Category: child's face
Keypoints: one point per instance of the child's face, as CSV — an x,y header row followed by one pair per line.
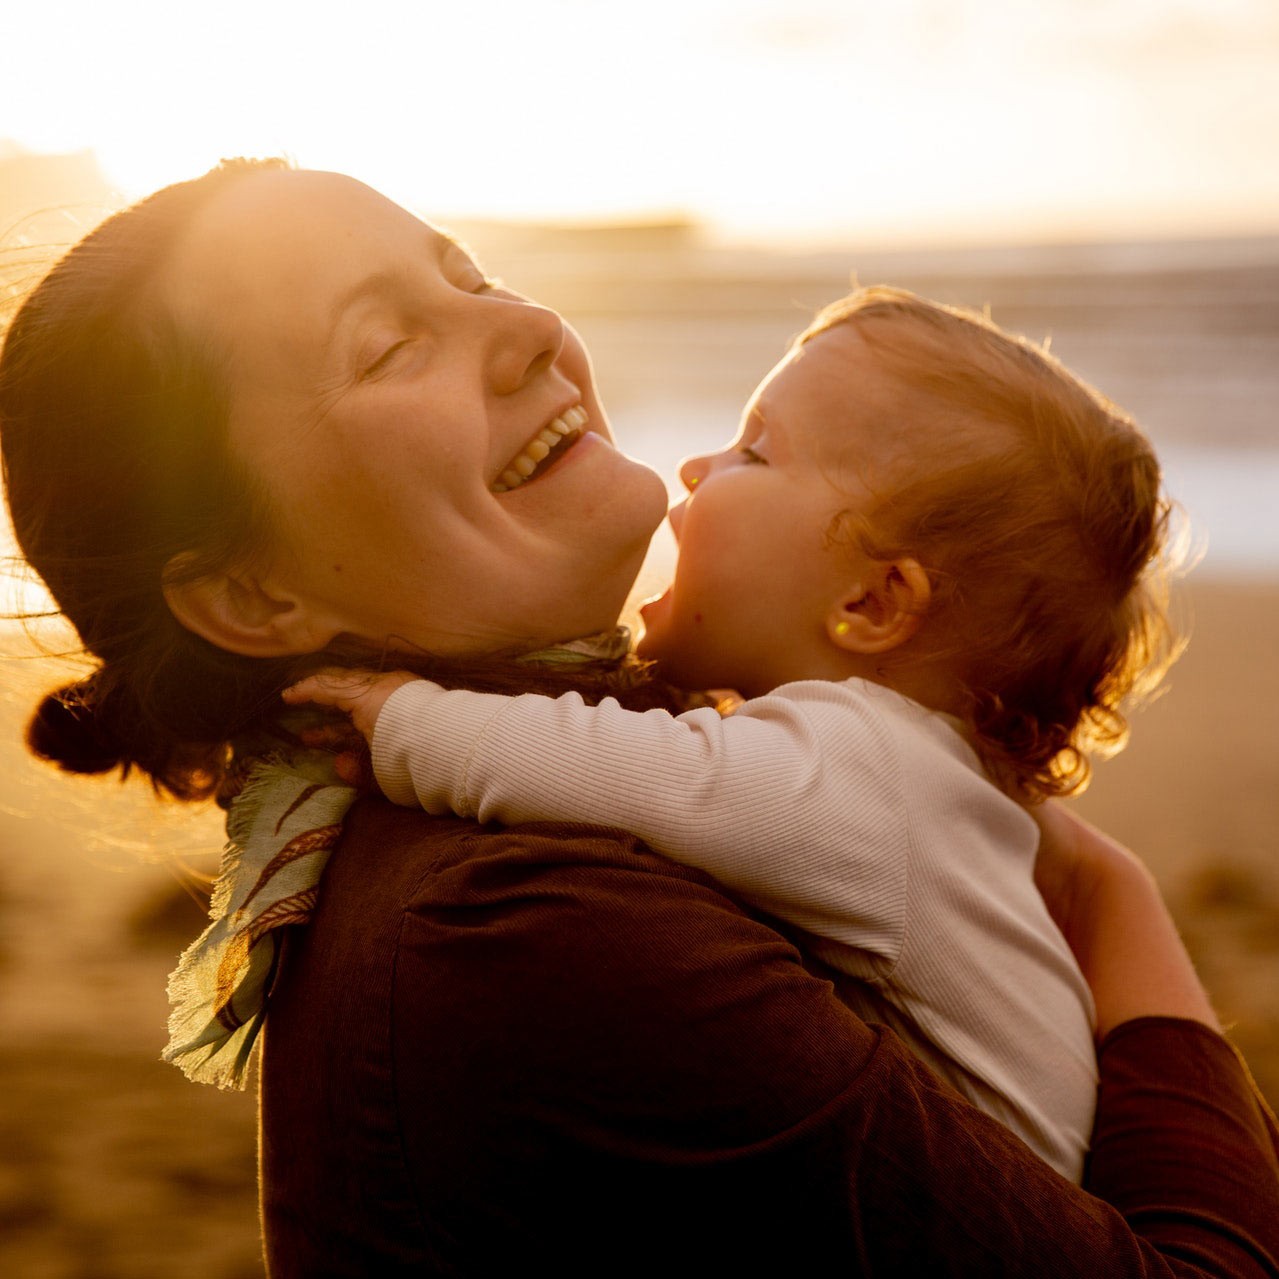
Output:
x,y
759,569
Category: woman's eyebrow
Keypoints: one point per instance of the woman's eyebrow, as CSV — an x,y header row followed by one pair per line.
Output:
x,y
449,243
383,285
378,286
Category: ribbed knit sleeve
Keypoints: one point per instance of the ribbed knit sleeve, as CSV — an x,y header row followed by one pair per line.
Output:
x,y
845,809
795,801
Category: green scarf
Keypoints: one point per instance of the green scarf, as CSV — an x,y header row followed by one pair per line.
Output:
x,y
281,827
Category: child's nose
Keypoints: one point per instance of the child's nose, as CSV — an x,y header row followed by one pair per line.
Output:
x,y
692,470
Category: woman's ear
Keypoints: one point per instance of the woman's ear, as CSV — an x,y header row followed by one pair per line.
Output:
x,y
883,610
242,614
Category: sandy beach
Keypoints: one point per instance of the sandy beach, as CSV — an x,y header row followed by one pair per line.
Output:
x,y
115,1166
1197,795
111,1164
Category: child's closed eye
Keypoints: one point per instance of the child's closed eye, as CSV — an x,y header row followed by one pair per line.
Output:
x,y
751,456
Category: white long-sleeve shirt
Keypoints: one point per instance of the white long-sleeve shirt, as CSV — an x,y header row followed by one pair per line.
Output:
x,y
845,809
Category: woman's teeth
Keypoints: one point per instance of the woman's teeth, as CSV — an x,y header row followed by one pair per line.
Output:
x,y
540,447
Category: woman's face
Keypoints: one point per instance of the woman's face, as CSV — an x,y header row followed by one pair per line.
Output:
x,y
388,398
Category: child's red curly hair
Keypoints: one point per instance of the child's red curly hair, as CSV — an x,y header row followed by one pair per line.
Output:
x,y
1041,522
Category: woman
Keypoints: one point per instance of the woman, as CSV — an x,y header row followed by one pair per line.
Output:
x,y
262,422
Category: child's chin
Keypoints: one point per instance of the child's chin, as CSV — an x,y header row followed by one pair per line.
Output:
x,y
671,665
651,649
664,640
650,652
653,615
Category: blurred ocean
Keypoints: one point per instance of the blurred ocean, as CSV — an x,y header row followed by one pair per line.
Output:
x,y
1184,335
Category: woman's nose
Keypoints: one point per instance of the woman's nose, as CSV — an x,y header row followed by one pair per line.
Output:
x,y
525,342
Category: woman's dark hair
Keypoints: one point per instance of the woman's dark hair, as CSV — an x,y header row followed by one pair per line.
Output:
x,y
113,428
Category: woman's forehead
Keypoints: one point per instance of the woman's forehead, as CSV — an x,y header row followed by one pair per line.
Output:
x,y
275,255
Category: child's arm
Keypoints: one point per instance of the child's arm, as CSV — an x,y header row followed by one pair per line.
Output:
x,y
749,799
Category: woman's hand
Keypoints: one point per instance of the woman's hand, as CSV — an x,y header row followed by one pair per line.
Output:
x,y
1110,911
360,694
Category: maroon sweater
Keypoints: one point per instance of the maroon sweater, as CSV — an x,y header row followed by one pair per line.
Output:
x,y
498,1050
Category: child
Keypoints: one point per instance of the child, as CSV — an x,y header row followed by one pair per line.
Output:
x,y
928,562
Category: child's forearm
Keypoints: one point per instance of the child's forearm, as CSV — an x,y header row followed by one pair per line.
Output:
x,y
710,792
529,758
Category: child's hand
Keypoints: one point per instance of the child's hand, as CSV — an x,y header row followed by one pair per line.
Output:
x,y
361,694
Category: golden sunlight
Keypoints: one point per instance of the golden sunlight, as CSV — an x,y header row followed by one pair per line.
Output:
x,y
981,118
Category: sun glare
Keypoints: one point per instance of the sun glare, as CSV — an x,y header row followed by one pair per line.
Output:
x,y
767,120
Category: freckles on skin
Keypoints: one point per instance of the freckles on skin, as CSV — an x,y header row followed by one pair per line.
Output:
x,y
393,472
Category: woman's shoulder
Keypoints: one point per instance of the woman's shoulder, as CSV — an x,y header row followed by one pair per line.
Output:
x,y
551,984
412,862
588,899
542,939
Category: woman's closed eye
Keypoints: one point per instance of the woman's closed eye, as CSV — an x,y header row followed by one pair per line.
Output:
x,y
472,281
380,364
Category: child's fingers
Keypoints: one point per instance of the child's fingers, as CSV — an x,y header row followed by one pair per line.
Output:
x,y
332,687
359,694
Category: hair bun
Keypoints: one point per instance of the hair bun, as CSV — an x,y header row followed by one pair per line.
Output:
x,y
67,731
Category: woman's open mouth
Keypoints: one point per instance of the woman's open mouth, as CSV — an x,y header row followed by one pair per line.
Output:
x,y
543,450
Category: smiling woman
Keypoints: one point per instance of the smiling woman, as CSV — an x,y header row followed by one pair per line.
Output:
x,y
265,421
375,370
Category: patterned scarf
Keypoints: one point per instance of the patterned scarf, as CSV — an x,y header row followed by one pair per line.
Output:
x,y
285,820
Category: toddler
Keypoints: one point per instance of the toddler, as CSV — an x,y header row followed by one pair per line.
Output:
x,y
929,563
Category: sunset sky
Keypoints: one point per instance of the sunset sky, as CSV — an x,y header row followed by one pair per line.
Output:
x,y
916,119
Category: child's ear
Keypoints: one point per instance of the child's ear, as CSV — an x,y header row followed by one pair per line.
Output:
x,y
242,613
881,611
